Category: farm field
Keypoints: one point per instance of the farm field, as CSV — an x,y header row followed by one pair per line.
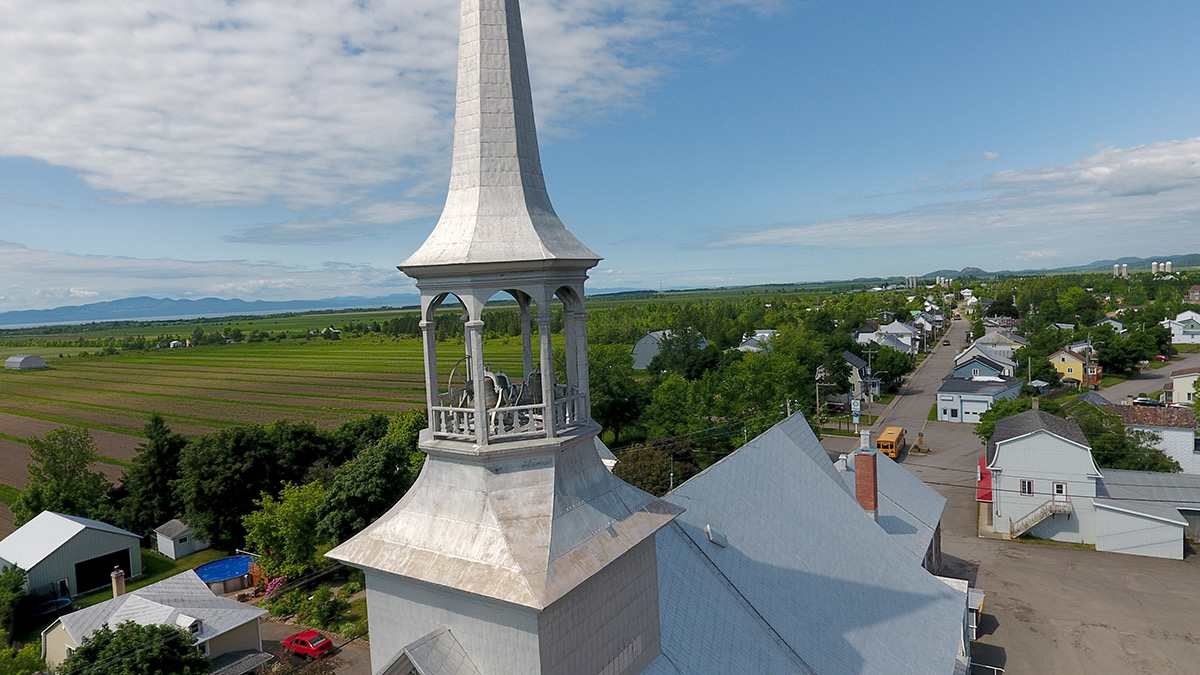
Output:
x,y
199,390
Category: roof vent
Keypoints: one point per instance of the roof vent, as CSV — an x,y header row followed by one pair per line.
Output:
x,y
715,537
189,623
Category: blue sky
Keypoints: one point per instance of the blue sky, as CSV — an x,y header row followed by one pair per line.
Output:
x,y
282,150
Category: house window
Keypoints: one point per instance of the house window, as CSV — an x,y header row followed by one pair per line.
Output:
x,y
954,413
945,413
1026,487
1060,489
183,540
1070,370
974,372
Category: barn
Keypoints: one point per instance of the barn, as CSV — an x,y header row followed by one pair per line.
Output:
x,y
65,556
24,362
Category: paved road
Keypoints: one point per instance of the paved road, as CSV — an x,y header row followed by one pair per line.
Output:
x,y
1149,380
1048,609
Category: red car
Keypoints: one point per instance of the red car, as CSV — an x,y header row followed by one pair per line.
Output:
x,y
1160,357
310,644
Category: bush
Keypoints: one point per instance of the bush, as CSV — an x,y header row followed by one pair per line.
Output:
x,y
349,588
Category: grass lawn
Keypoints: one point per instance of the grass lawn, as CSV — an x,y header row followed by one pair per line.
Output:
x,y
9,494
155,567
1110,380
1187,349
932,416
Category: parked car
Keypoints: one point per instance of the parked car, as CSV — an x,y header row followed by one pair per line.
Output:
x,y
1160,357
310,644
1142,400
945,343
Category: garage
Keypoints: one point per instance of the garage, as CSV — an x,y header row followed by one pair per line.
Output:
x,y
971,410
97,572
66,555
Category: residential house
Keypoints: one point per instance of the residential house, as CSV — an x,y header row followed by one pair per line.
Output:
x,y
979,365
1041,479
861,382
64,556
1077,367
964,400
1193,296
176,539
976,349
1185,327
757,341
646,348
226,631
1116,325
1062,326
866,333
1002,342
1175,428
1082,348
1183,385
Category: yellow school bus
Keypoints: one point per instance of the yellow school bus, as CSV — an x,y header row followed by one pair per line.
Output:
x,y
891,442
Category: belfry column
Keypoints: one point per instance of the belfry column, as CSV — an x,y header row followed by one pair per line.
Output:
x,y
547,367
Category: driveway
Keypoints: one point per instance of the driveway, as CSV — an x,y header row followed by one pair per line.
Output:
x,y
1149,380
1047,608
349,658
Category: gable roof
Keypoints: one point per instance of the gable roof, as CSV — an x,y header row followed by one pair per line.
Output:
x,y
794,540
1154,416
855,362
1184,371
1067,352
984,360
173,528
1029,422
34,541
985,350
163,603
908,509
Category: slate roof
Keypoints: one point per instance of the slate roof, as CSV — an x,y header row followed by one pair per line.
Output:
x,y
807,581
909,510
172,528
1154,416
1031,421
34,541
162,603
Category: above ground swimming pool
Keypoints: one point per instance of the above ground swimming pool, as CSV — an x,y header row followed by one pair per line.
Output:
x,y
227,574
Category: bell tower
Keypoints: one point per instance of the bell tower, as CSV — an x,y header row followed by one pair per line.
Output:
x,y
515,546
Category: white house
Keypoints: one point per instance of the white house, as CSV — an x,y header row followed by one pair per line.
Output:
x,y
1117,326
1042,479
1183,385
24,362
756,341
1185,327
176,539
645,349
64,556
226,631
1175,427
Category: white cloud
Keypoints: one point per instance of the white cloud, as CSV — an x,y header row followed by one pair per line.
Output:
x,y
990,156
304,102
1134,200
54,278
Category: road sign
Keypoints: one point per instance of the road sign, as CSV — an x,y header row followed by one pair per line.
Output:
x,y
856,418
855,405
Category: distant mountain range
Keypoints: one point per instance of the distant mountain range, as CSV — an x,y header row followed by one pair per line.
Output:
x,y
148,309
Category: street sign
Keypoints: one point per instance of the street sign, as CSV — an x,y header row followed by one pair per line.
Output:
x,y
856,419
855,406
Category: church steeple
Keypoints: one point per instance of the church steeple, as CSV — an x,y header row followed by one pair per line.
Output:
x,y
515,537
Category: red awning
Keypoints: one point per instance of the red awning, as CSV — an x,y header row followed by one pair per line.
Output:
x,y
983,486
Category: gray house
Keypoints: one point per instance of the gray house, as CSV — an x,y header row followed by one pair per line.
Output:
x,y
645,349
67,555
176,539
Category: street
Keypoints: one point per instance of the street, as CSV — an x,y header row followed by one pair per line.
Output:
x,y
1047,607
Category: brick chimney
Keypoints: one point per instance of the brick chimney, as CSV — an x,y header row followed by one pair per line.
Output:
x,y
866,486
118,582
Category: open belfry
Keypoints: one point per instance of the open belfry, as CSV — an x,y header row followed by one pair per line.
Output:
x,y
516,550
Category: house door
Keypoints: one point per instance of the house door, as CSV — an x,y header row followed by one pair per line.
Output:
x,y
1060,492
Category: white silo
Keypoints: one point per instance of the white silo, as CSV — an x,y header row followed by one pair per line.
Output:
x,y
1125,271
1154,268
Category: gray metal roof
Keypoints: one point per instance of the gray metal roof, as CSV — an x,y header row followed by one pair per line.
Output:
x,y
162,603
439,653
34,541
806,580
1178,490
990,386
239,662
1093,397
909,510
173,528
1031,421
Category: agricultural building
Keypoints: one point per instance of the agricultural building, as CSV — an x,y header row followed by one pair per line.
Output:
x,y
226,631
68,555
517,552
24,362
176,539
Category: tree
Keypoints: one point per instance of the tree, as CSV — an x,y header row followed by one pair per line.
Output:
x,y
1116,447
681,352
150,499
645,467
60,479
134,649
284,529
893,364
12,590
220,475
617,397
24,661
368,485
670,412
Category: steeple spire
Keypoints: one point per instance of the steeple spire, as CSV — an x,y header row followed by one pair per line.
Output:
x,y
497,208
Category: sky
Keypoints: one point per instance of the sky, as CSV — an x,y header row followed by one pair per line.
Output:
x,y
300,149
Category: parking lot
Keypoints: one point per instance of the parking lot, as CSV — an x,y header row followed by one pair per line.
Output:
x,y
1047,608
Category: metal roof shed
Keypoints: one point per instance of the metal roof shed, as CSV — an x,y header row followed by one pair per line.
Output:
x,y
68,555
24,362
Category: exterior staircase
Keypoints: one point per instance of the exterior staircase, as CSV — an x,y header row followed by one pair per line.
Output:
x,y
1051,507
